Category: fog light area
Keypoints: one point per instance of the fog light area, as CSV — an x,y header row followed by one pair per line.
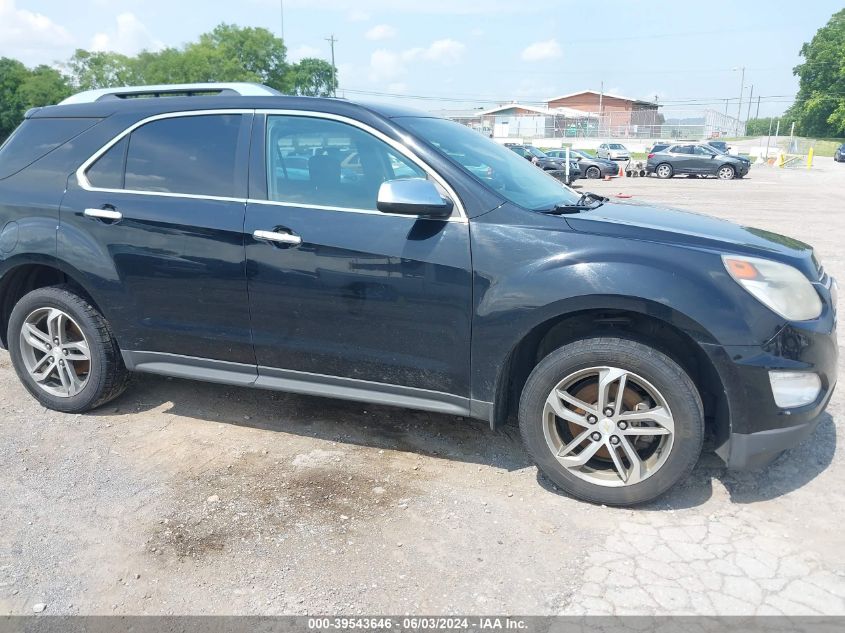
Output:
x,y
794,388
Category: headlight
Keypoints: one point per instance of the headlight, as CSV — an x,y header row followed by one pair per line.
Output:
x,y
782,288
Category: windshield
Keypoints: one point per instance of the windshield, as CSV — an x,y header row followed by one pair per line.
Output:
x,y
507,173
535,152
616,146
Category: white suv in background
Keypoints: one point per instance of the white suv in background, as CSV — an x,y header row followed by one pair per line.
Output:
x,y
613,151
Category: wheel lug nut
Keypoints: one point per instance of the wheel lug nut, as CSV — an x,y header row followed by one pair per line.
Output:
x,y
608,412
65,352
623,425
592,419
614,440
49,347
595,436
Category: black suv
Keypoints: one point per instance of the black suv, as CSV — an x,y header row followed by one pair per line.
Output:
x,y
382,255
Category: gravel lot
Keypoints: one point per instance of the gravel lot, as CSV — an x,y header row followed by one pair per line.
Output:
x,y
191,498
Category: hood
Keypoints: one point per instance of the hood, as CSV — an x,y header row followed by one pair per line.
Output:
x,y
676,227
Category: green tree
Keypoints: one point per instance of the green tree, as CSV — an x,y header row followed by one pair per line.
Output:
x,y
760,127
22,89
44,86
311,78
91,70
12,75
819,108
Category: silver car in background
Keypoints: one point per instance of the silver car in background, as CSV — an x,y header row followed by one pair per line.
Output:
x,y
613,151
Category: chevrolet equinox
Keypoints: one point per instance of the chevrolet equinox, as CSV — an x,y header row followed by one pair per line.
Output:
x,y
231,234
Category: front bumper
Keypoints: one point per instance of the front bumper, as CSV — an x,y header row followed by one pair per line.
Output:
x,y
759,430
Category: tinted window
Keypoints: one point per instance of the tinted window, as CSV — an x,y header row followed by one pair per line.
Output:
x,y
329,163
512,177
35,138
192,154
682,149
107,172
703,151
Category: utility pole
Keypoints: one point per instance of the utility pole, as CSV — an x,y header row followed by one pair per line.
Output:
x,y
601,99
331,40
750,97
282,18
739,105
757,116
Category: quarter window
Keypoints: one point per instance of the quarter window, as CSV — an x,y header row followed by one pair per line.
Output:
x,y
328,163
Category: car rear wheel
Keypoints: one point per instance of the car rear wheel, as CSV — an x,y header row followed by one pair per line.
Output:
x,y
611,420
726,172
593,172
64,351
664,170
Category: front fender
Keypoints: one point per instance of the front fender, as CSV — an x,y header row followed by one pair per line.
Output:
x,y
550,271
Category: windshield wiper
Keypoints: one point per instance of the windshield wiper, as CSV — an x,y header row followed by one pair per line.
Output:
x,y
586,202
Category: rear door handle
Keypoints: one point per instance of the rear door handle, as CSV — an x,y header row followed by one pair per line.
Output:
x,y
103,214
279,238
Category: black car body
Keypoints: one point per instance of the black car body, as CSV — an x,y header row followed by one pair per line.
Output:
x,y
839,154
547,162
696,160
436,272
590,166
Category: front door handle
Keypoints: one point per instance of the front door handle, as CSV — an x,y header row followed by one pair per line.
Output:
x,y
279,238
103,214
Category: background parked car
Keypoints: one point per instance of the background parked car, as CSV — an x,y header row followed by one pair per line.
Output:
x,y
613,151
722,146
591,167
696,160
839,156
546,162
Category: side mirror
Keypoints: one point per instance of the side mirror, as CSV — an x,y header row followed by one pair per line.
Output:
x,y
413,196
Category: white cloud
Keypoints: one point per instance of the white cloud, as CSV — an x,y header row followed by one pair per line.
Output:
x,y
539,51
380,32
390,66
301,52
386,65
358,16
129,36
397,87
31,37
445,51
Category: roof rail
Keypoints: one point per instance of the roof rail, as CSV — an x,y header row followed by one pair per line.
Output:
x,y
172,90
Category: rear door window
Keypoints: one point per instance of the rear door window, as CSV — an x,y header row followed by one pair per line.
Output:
x,y
189,155
35,138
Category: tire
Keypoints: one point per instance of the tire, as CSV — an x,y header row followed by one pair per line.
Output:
x,y
96,380
593,172
601,480
726,172
664,171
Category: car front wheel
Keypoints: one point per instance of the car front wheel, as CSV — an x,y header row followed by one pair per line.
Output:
x,y
64,351
726,172
612,421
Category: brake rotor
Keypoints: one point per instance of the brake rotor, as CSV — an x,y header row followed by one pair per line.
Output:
x,y
590,393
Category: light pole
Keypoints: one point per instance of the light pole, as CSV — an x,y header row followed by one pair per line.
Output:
x,y
331,40
739,105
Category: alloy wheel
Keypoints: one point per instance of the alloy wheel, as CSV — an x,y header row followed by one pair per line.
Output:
x,y
593,172
608,426
726,173
55,352
664,171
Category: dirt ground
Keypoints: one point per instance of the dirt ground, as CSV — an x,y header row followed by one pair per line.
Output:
x,y
191,498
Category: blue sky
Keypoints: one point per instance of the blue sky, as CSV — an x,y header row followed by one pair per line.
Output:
x,y
459,53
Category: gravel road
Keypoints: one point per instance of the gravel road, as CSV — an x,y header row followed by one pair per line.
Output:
x,y
190,498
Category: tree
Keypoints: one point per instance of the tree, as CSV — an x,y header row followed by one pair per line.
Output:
x,y
819,108
12,75
22,89
91,70
760,127
311,78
